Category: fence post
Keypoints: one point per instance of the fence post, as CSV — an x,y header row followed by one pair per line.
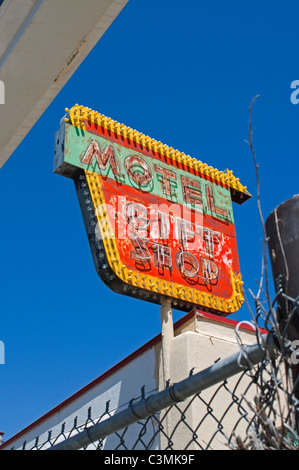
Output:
x,y
282,229
166,338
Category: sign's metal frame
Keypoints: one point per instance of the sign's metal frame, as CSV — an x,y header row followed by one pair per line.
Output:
x,y
107,259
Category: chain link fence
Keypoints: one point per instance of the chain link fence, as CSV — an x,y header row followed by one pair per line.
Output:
x,y
246,401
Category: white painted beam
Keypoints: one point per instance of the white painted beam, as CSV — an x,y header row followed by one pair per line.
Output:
x,y
42,43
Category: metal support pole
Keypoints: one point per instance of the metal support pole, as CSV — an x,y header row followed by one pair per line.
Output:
x,y
167,338
282,228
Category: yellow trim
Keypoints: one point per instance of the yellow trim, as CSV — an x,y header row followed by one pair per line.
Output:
x,y
148,282
77,115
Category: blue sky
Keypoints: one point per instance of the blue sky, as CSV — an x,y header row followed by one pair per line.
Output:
x,y
184,76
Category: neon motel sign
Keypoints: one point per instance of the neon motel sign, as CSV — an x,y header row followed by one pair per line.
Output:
x,y
159,223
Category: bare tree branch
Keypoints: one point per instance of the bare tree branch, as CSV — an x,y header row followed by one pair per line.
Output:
x,y
264,248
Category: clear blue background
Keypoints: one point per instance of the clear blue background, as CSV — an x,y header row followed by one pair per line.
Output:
x,y
183,73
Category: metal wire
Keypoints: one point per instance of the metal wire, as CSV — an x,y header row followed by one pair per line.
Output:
x,y
246,401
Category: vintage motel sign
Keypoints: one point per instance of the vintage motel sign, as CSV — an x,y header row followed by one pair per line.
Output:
x,y
159,223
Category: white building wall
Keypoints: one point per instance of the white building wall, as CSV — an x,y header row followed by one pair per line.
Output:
x,y
119,386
